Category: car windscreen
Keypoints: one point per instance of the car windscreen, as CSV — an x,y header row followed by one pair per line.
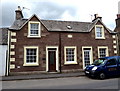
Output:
x,y
98,62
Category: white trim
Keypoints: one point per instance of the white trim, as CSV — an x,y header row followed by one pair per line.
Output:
x,y
13,40
75,53
57,58
106,47
12,59
115,46
115,51
39,29
37,57
12,46
114,41
103,32
69,35
12,66
113,36
91,53
13,33
12,53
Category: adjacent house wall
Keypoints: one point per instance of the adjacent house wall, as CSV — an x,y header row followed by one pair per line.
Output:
x,y
3,50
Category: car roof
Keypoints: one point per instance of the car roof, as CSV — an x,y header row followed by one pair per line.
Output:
x,y
110,57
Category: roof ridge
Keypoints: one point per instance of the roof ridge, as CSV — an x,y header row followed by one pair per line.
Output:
x,y
65,21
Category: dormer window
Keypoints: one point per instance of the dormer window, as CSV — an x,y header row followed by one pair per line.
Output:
x,y
99,32
33,29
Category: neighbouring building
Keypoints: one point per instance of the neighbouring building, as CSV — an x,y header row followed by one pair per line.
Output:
x,y
57,46
117,30
3,51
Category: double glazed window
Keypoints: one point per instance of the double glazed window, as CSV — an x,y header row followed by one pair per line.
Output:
x,y
30,56
34,29
70,55
99,32
102,52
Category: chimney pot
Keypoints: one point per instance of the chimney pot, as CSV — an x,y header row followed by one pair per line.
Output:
x,y
96,15
118,16
19,14
19,8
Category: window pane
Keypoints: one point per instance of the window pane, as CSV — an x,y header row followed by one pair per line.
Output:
x,y
98,31
70,54
31,55
34,29
102,52
87,57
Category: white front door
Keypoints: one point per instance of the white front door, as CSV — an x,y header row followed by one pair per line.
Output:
x,y
87,56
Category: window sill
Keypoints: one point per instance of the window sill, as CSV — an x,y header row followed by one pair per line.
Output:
x,y
101,38
34,64
70,63
33,36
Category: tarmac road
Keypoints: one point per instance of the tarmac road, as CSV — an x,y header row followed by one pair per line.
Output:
x,y
62,83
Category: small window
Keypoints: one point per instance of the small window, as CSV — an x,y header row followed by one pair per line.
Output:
x,y
99,32
119,60
70,55
31,56
34,29
102,52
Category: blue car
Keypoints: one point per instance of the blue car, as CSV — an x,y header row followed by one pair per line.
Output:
x,y
104,67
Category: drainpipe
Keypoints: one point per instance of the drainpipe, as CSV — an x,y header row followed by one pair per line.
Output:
x,y
8,56
60,51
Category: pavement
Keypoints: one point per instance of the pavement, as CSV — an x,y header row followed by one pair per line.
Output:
x,y
42,76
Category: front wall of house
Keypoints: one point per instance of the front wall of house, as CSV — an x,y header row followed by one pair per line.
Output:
x,y
19,40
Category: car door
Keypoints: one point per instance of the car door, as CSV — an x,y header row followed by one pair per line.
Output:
x,y
111,67
118,65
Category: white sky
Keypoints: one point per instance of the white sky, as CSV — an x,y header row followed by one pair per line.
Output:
x,y
69,10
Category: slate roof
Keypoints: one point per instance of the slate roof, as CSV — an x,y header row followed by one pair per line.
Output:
x,y
63,26
18,24
71,26
3,36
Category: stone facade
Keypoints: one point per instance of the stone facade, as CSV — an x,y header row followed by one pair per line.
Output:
x,y
60,39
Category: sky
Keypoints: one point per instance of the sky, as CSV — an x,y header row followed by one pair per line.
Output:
x,y
65,10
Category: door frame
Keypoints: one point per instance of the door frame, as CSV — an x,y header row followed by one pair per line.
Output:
x,y
57,58
91,55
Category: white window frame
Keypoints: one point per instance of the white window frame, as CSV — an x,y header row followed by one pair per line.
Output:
x,y
91,57
75,55
100,47
103,33
37,56
29,26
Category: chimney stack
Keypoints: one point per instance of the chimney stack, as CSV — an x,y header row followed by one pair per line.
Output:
x,y
96,17
19,14
118,21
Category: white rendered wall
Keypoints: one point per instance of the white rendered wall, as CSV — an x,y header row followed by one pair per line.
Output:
x,y
3,49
